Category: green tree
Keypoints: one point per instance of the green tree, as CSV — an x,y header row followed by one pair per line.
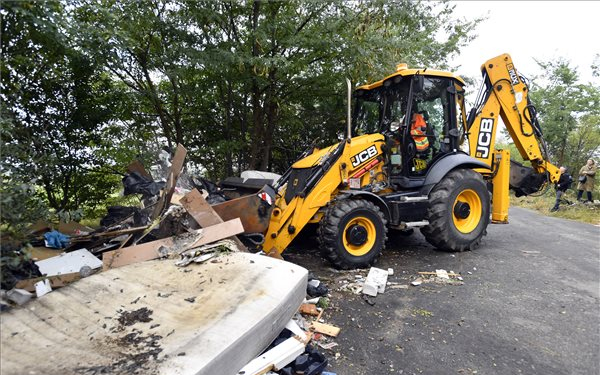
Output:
x,y
249,84
56,107
569,112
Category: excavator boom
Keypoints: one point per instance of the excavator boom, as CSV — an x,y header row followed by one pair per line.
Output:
x,y
505,95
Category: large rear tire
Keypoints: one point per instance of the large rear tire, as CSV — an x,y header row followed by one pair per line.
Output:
x,y
459,211
352,233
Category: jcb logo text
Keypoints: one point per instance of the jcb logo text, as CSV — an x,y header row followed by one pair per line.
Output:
x,y
485,138
363,156
514,78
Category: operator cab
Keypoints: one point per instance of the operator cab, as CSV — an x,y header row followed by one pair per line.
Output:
x,y
418,114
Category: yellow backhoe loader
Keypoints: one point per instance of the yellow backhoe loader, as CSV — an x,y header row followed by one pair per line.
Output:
x,y
412,158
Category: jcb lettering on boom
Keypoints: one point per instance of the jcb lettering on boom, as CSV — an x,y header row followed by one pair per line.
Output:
x,y
514,78
485,138
363,156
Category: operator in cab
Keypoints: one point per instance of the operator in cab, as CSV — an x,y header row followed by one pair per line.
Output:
x,y
418,130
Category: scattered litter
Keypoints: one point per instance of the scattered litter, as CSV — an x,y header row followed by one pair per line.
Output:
x,y
315,288
368,300
314,301
442,274
56,240
276,358
42,287
68,263
375,282
311,362
439,277
328,346
293,327
19,296
530,252
370,289
314,283
398,287
390,271
309,309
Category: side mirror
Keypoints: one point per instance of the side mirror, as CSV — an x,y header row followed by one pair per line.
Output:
x,y
418,83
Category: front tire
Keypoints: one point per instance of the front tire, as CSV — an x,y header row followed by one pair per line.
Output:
x,y
459,211
352,233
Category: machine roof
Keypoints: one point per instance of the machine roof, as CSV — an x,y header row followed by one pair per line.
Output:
x,y
402,70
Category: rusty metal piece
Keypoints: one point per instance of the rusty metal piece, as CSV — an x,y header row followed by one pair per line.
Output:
x,y
254,212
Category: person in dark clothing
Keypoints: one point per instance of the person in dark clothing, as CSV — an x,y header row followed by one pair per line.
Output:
x,y
563,183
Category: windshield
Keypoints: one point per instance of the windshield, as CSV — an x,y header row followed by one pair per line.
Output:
x,y
367,110
380,109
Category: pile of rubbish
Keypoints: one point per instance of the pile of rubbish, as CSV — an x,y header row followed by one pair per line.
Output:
x,y
175,229
171,211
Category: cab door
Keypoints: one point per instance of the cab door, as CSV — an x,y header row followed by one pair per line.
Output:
x,y
431,116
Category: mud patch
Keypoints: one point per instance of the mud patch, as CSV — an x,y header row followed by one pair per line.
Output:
x,y
129,318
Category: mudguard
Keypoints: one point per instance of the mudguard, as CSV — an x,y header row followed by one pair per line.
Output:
x,y
449,162
374,198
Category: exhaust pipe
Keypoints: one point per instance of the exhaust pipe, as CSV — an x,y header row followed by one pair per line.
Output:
x,y
349,105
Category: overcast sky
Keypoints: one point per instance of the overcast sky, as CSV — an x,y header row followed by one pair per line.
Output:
x,y
532,29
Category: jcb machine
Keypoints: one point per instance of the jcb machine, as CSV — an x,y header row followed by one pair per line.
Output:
x,y
412,158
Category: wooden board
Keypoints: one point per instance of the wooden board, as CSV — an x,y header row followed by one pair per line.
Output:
x,y
55,281
200,209
212,320
40,252
150,250
203,213
174,171
137,166
73,228
326,329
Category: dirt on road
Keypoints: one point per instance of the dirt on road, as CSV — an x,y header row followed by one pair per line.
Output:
x,y
529,304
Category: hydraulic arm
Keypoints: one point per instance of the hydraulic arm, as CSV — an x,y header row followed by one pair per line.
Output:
x,y
505,95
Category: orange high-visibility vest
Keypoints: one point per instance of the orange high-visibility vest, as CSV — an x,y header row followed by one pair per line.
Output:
x,y
417,132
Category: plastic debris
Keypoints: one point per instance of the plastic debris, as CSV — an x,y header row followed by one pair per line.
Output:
x,y
56,240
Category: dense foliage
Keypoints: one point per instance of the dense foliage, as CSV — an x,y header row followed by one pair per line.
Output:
x,y
89,84
569,111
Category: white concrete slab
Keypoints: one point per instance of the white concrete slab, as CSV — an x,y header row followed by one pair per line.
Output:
x,y
155,318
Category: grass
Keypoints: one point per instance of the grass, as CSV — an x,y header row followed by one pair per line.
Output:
x,y
580,212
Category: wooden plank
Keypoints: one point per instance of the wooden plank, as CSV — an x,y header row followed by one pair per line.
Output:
x,y
276,358
149,250
195,204
326,329
55,281
73,228
200,209
40,252
174,171
137,166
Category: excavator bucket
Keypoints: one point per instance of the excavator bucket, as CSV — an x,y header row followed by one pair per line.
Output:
x,y
525,180
253,210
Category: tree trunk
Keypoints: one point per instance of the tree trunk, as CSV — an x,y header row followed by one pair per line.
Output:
x,y
257,129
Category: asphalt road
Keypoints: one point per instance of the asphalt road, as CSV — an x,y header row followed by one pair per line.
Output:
x,y
530,304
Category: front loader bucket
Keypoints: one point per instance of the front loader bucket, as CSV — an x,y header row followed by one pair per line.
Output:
x,y
525,180
253,210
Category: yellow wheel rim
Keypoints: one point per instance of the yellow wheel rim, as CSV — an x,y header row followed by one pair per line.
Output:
x,y
364,226
466,211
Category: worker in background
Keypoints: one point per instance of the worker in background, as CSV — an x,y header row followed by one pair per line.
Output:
x,y
587,174
418,130
563,183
